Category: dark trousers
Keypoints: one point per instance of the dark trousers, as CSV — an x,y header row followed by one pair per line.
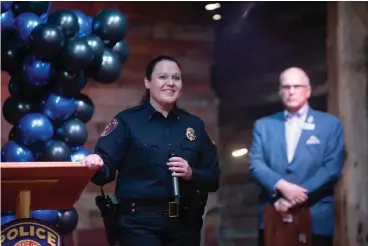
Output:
x,y
157,230
317,240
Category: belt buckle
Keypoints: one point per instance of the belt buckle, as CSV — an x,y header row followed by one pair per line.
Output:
x,y
173,210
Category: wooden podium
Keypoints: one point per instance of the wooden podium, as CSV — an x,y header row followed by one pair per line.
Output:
x,y
291,230
27,186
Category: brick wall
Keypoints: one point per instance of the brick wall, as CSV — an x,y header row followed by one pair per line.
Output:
x,y
190,43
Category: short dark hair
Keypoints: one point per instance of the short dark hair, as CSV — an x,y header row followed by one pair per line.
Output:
x,y
149,70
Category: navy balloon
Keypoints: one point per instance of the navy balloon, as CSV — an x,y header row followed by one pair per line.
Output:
x,y
6,5
45,215
24,25
7,19
13,152
35,129
85,23
79,154
57,107
37,72
7,218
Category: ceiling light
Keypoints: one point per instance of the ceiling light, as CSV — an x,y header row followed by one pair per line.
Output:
x,y
239,152
216,17
212,6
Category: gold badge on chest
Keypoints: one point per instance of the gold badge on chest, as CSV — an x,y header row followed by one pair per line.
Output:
x,y
190,134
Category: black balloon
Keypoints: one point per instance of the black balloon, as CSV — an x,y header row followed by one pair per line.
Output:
x,y
46,41
77,55
67,83
35,7
110,25
14,134
96,44
19,88
14,109
84,108
122,50
55,150
67,221
12,52
109,69
67,21
73,132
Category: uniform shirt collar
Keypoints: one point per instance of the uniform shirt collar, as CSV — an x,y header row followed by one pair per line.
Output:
x,y
153,112
299,114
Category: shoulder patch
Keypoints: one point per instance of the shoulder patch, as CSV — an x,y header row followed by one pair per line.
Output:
x,y
110,127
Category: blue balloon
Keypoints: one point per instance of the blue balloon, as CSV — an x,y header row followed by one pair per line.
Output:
x,y
6,5
85,23
57,107
24,25
7,218
45,16
79,154
13,152
45,215
35,129
7,20
37,72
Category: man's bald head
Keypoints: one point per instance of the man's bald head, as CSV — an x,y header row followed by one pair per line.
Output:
x,y
294,88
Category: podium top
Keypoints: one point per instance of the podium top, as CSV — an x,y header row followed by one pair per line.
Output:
x,y
53,185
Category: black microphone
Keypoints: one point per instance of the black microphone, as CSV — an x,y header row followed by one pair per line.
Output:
x,y
175,185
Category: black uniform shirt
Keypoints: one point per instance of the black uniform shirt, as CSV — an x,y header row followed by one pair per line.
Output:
x,y
137,143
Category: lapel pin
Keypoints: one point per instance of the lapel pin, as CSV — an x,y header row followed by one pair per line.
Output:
x,y
190,134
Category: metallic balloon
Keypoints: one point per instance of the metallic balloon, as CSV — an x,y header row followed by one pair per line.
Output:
x,y
14,134
79,154
110,25
55,150
108,71
74,132
84,108
35,129
46,41
7,218
21,89
96,44
24,25
67,221
50,216
6,5
67,83
122,50
67,21
58,107
12,52
14,109
85,23
14,152
77,55
35,7
37,72
7,20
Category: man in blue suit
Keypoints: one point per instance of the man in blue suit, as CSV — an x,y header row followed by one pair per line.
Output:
x,y
297,157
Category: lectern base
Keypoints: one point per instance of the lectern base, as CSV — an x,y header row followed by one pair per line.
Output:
x,y
23,208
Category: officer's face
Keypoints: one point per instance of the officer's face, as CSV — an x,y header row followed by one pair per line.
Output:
x,y
165,84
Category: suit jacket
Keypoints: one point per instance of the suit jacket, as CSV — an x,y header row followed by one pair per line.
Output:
x,y
316,165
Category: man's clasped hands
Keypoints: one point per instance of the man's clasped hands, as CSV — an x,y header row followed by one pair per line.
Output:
x,y
292,195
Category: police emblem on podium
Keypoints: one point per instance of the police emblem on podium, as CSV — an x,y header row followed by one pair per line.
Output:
x,y
29,232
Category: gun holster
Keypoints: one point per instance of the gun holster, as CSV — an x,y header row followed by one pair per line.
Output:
x,y
108,207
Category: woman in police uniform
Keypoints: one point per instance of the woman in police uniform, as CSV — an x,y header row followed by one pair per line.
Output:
x,y
148,145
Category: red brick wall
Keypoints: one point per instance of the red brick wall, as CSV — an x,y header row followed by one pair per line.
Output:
x,y
190,43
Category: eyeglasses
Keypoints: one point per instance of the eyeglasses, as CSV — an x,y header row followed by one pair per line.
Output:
x,y
296,87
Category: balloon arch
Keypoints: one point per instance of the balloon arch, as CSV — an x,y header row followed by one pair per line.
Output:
x,y
49,57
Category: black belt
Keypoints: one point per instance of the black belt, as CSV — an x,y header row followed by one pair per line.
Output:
x,y
151,207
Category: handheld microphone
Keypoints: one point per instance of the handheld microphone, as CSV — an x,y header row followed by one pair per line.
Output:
x,y
175,185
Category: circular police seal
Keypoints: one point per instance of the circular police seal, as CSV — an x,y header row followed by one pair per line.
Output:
x,y
29,232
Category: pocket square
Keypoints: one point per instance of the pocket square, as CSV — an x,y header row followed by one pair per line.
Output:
x,y
313,140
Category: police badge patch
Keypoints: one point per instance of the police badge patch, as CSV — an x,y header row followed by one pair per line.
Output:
x,y
190,134
110,127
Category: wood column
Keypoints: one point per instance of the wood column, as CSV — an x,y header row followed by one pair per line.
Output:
x,y
347,42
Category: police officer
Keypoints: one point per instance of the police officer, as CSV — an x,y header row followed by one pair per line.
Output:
x,y
148,145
